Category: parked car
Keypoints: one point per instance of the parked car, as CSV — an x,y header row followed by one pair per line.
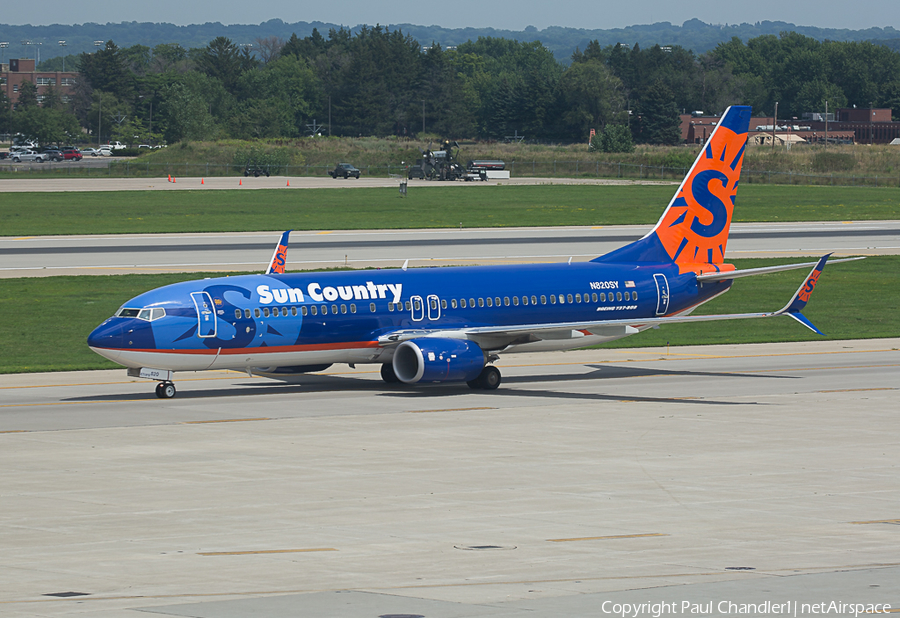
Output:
x,y
71,153
103,151
28,155
344,170
3,155
53,154
116,146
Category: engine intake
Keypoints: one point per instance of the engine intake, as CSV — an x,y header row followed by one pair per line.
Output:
x,y
438,360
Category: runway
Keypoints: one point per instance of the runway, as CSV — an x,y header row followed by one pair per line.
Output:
x,y
150,253
737,474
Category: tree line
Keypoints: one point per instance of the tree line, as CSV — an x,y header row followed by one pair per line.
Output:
x,y
382,82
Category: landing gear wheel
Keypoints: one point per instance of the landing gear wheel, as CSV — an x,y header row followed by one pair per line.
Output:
x,y
165,390
488,379
388,375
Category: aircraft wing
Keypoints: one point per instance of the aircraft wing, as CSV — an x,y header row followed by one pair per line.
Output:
x,y
498,337
749,272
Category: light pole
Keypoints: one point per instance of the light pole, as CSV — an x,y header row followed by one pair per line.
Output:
x,y
100,110
63,44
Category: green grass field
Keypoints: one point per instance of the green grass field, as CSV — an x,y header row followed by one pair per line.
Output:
x,y
47,320
34,214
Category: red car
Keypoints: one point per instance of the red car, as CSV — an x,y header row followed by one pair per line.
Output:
x,y
70,153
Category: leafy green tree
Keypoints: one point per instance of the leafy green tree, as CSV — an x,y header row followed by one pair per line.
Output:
x,y
45,125
613,138
187,114
27,95
592,96
108,70
222,60
658,120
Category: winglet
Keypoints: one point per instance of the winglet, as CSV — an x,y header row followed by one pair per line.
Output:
x,y
279,258
801,296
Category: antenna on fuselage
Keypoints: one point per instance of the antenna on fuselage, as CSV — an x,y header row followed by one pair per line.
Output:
x,y
405,264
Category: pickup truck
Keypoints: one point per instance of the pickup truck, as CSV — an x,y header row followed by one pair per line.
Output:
x,y
27,155
117,146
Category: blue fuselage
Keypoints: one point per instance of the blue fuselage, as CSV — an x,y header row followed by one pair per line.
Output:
x,y
309,318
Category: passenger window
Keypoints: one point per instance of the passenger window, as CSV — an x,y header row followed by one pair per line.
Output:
x,y
237,314
408,306
352,307
594,297
343,308
490,301
602,297
552,299
443,304
516,301
417,304
372,307
562,299
256,312
293,311
619,296
524,300
284,312
627,295
578,298
569,298
453,303
497,300
506,301
390,306
314,310
303,310
265,311
462,303
634,296
247,313
534,300
334,309
433,304
472,302
481,302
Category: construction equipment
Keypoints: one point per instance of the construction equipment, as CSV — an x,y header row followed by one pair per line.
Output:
x,y
442,164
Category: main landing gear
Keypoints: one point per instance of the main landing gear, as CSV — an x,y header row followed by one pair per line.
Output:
x,y
165,390
488,379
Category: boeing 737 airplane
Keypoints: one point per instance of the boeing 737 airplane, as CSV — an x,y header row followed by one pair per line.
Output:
x,y
430,325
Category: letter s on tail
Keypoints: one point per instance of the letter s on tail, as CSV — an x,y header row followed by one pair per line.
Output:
x,y
279,258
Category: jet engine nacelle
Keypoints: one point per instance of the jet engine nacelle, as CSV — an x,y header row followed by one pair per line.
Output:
x,y
437,360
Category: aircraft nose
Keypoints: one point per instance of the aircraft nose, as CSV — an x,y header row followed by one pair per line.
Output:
x,y
107,335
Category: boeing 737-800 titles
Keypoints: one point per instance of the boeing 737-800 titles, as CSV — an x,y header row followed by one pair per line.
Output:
x,y
450,324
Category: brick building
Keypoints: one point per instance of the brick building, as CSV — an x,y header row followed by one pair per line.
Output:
x,y
850,125
19,70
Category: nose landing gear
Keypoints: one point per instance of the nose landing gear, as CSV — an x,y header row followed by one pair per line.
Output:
x,y
165,390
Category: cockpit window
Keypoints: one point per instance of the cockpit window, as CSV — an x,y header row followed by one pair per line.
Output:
x,y
142,314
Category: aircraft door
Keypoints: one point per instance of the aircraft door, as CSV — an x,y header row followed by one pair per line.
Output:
x,y
434,307
662,294
418,308
206,315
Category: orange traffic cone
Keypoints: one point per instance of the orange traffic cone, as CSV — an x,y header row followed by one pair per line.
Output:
x,y
289,183
173,180
170,177
201,181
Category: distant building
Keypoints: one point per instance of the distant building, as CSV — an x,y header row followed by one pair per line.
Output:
x,y
19,70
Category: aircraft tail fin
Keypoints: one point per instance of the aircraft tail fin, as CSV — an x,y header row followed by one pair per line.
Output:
x,y
279,258
693,230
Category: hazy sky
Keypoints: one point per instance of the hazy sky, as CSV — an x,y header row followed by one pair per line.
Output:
x,y
502,14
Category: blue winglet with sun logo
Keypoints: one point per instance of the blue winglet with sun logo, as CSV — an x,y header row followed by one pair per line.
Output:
x,y
801,297
693,230
279,258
